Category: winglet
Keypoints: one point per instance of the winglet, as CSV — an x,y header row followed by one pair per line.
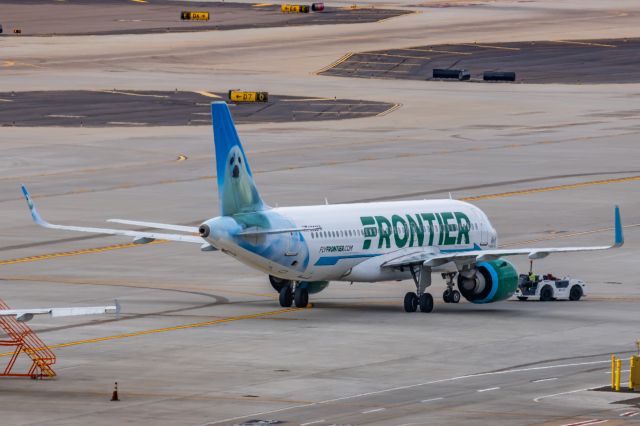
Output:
x,y
32,208
619,237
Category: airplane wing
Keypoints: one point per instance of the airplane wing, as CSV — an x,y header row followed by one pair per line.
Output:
x,y
24,315
431,259
180,228
139,237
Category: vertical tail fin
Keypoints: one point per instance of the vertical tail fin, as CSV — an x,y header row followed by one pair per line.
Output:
x,y
237,191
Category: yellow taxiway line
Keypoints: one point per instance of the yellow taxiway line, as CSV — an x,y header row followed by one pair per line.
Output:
x,y
583,43
207,94
163,330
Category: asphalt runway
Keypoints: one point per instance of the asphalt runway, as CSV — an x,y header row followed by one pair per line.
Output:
x,y
86,17
167,108
560,61
201,338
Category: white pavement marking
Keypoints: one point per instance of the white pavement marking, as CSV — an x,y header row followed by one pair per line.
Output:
x,y
65,116
488,389
375,410
630,414
538,399
544,380
312,423
587,422
126,123
432,399
378,392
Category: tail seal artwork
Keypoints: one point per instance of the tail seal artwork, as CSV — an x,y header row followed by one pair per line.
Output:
x,y
237,190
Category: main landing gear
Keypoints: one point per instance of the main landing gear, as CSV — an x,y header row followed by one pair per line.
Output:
x,y
420,299
450,295
289,296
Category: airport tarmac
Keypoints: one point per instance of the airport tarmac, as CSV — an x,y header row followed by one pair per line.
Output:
x,y
168,108
202,340
557,61
52,18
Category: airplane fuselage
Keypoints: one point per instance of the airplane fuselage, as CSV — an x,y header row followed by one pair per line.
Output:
x,y
348,235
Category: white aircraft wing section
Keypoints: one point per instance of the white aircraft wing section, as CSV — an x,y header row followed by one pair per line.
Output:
x,y
431,259
139,237
24,315
179,228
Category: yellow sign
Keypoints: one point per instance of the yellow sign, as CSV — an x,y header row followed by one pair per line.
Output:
x,y
238,96
194,16
294,8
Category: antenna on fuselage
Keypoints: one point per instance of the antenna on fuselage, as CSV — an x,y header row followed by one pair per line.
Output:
x,y
326,201
450,197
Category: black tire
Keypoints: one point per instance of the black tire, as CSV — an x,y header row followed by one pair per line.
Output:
x,y
286,297
575,293
426,303
546,294
446,296
410,302
522,298
301,297
455,296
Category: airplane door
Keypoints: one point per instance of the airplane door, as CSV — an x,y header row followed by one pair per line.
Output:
x,y
292,246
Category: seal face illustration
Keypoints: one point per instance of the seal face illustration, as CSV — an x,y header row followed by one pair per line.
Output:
x,y
239,190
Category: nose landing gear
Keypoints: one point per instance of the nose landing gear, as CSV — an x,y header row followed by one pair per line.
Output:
x,y
288,296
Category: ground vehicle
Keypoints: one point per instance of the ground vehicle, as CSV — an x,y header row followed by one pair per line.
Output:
x,y
550,288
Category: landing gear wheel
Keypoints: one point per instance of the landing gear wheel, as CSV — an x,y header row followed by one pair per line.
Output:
x,y
286,297
455,296
446,296
522,298
410,302
426,303
575,293
546,294
301,297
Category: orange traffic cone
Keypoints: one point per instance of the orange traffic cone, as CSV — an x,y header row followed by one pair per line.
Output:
x,y
114,395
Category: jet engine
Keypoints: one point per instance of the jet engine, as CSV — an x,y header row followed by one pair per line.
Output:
x,y
488,282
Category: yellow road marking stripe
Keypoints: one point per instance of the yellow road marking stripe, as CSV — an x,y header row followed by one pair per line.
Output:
x,y
335,63
583,43
207,94
389,111
182,157
139,1
262,4
389,55
162,330
553,188
74,253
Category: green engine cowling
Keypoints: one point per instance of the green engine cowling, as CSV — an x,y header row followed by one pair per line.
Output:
x,y
492,282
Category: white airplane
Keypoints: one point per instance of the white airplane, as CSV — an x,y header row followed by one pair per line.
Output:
x,y
302,249
24,315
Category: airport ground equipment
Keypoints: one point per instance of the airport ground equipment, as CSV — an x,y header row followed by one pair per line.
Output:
x,y
499,76
240,96
194,16
548,288
461,75
317,7
294,8
24,340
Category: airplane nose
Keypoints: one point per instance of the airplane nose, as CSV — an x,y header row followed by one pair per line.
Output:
x,y
236,171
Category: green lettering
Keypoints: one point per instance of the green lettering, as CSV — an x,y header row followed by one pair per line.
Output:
x,y
368,231
463,227
384,229
398,223
429,217
441,226
448,239
415,229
